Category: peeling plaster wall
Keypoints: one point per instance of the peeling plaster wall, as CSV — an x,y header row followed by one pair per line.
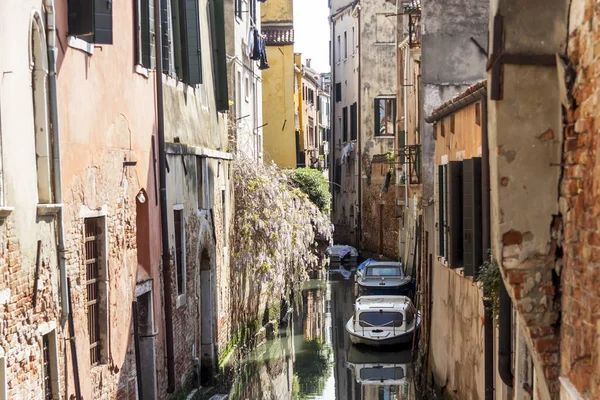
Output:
x,y
245,114
345,201
377,79
457,343
201,237
21,326
525,150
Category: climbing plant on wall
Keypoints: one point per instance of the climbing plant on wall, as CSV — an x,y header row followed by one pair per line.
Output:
x,y
490,278
276,226
312,182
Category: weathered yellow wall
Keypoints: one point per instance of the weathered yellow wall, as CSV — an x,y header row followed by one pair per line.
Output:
x,y
465,143
279,140
277,11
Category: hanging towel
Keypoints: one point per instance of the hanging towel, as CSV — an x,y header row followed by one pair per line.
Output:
x,y
250,47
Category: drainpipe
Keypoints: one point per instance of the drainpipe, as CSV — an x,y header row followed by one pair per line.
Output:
x,y
358,139
57,174
164,224
505,336
404,166
488,338
332,118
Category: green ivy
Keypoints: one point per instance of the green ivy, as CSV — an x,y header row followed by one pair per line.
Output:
x,y
312,182
490,277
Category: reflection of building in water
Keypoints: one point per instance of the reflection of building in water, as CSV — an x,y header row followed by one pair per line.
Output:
x,y
314,308
342,307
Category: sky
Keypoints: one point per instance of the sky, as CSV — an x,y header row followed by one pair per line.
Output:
x,y
312,32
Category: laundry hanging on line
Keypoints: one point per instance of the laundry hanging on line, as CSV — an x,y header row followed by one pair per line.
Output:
x,y
257,49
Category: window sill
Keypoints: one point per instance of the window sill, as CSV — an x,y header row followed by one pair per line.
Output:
x,y
81,44
385,137
44,210
181,300
140,69
6,211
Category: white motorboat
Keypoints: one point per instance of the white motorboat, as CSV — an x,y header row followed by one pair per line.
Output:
x,y
383,320
378,278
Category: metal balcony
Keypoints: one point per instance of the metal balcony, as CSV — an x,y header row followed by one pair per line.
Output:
x,y
414,27
411,156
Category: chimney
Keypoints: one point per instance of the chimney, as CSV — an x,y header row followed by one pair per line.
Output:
x,y
308,62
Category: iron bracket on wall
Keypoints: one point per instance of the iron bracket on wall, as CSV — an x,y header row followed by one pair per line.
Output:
x,y
500,57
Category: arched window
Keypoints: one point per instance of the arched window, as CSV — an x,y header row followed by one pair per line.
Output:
x,y
39,84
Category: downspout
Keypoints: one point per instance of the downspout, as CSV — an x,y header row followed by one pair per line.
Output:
x,y
358,138
405,76
57,174
164,222
488,338
332,118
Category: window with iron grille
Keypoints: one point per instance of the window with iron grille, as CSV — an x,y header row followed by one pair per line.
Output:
x,y
180,250
94,239
47,368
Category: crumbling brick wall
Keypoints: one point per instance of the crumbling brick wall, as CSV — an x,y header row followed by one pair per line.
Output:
x,y
21,326
580,191
372,201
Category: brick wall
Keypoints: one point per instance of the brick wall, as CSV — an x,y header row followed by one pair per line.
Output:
x,y
21,326
106,190
372,200
580,190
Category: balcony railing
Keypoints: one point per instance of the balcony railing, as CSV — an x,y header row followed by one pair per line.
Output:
x,y
411,156
414,28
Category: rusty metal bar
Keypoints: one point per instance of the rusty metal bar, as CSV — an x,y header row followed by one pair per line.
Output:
x,y
37,273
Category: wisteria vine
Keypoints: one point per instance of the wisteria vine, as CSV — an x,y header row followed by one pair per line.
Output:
x,y
277,228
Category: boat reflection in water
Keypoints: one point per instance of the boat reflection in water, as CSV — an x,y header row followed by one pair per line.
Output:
x,y
312,357
381,374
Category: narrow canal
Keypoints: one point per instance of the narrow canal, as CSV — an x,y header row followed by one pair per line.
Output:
x,y
311,357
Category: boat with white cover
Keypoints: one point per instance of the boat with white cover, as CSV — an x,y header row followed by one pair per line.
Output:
x,y
383,320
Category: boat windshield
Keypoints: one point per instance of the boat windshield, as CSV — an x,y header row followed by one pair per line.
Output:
x,y
380,319
384,270
381,373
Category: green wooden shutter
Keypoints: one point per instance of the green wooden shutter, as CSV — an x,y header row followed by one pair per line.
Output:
x,y
472,251
81,17
345,119
376,117
148,57
192,62
441,221
103,26
455,209
165,37
219,55
402,150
